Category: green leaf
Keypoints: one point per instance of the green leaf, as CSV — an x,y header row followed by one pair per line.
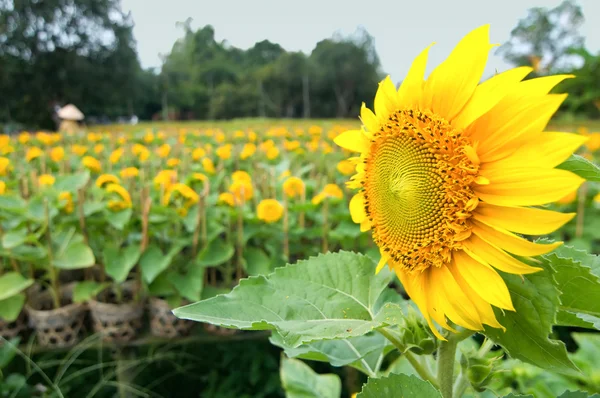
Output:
x,y
216,253
398,385
36,209
582,167
13,204
118,219
587,356
119,262
536,301
511,395
14,238
11,307
577,394
91,208
77,255
364,353
153,262
579,286
257,261
8,351
189,284
85,290
72,182
161,286
326,297
300,381
13,283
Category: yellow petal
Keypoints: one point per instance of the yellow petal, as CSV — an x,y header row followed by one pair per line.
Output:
x,y
482,251
488,94
415,288
511,242
522,220
368,119
382,262
411,89
353,140
451,84
386,100
365,225
456,305
527,187
498,130
547,150
484,280
357,208
484,309
542,85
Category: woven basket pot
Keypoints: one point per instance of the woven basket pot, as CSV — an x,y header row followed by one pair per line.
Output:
x,y
119,323
60,327
164,324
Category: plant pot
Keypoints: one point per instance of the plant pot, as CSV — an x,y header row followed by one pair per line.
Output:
x,y
55,328
119,323
9,330
164,324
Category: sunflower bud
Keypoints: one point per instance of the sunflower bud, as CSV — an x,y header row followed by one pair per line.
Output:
x,y
479,371
416,336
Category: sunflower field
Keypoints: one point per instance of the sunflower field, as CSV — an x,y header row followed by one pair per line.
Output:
x,y
445,244
129,223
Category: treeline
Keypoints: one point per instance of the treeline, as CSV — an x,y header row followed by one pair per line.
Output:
x,y
203,78
55,52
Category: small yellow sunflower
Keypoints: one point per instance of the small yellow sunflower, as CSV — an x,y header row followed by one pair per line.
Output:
x,y
104,179
66,202
124,200
92,164
448,171
57,154
293,187
46,180
269,210
329,191
129,172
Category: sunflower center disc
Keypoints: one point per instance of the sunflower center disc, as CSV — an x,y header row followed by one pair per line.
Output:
x,y
418,178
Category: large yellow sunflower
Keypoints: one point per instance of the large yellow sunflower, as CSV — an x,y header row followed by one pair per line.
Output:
x,y
448,171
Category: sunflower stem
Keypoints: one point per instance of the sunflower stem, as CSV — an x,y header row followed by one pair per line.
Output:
x,y
410,357
445,368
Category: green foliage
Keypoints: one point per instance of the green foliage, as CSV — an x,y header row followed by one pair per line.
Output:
x,y
11,307
97,45
86,290
577,275
545,33
330,296
582,167
300,381
118,262
365,353
398,385
12,283
536,301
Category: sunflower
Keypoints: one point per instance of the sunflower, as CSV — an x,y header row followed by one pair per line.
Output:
x,y
57,154
448,171
46,180
293,187
124,200
269,210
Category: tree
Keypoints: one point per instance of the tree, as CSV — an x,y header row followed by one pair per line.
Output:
x,y
346,72
544,37
58,51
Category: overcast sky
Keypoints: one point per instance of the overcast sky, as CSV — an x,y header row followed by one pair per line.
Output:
x,y
401,28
